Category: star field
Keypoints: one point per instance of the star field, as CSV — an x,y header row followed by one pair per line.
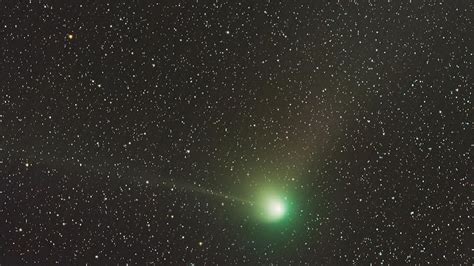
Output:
x,y
260,132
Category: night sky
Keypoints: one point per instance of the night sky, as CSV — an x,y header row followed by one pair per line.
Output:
x,y
206,132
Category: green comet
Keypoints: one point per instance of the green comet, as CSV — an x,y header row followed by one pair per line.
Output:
x,y
272,207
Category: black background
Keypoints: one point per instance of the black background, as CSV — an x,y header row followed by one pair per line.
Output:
x,y
360,111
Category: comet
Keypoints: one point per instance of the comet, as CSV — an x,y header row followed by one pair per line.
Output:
x,y
270,206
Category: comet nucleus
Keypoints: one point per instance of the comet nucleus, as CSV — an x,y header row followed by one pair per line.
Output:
x,y
272,207
275,209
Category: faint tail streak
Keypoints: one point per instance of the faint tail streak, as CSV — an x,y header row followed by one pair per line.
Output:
x,y
171,184
193,188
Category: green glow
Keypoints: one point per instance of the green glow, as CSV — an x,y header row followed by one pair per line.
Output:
x,y
271,206
275,209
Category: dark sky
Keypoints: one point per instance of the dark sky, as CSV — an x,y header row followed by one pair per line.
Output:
x,y
138,132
